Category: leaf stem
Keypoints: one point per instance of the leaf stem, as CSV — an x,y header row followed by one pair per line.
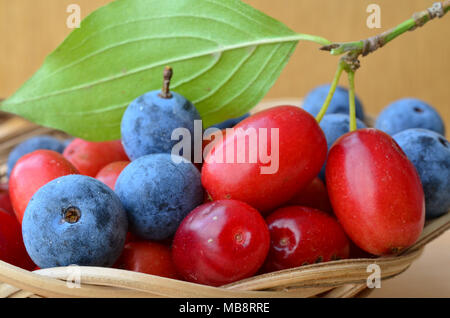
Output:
x,y
313,38
334,84
351,97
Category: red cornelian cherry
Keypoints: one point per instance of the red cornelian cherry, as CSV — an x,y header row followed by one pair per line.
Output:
x,y
220,242
208,143
315,196
357,252
5,201
267,183
31,172
375,192
212,139
301,236
89,157
12,249
149,258
109,173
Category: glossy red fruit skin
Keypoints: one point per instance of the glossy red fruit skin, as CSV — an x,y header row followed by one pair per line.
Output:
x,y
149,258
212,139
220,242
109,173
356,252
89,157
315,196
375,192
31,172
12,249
301,236
5,201
207,144
302,151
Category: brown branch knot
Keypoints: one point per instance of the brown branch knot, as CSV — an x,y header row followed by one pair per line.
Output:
x,y
373,43
351,61
436,10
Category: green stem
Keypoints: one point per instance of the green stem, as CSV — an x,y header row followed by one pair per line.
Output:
x,y
411,24
351,97
357,47
334,84
399,30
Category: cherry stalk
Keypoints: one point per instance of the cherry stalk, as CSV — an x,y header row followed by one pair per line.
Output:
x,y
353,50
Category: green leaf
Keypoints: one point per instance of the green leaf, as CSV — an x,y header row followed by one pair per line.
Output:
x,y
225,55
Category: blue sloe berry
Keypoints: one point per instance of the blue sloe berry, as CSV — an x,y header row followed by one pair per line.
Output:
x,y
409,113
74,219
158,193
430,154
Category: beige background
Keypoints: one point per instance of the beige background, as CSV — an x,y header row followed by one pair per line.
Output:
x,y
417,65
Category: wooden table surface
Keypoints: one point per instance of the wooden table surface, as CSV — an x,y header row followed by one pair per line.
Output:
x,y
429,276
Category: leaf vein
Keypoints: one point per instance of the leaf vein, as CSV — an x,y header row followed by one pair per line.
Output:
x,y
145,20
161,63
227,79
250,83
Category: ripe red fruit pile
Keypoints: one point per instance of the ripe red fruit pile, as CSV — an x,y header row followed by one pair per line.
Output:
x,y
259,216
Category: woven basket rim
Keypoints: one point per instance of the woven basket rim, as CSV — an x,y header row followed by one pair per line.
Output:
x,y
111,282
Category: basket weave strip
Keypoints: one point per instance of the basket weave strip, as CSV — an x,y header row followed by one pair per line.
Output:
x,y
351,271
344,278
107,282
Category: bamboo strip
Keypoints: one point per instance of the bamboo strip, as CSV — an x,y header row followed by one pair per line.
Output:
x,y
346,291
328,274
21,294
7,290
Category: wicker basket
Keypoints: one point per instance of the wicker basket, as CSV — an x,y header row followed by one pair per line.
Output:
x,y
344,278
